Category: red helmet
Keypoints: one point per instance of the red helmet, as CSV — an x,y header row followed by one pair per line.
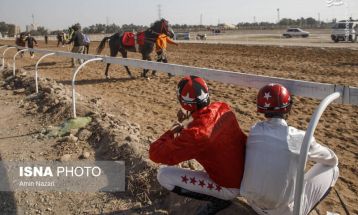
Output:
x,y
193,93
274,98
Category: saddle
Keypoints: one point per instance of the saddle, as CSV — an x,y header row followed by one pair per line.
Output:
x,y
130,39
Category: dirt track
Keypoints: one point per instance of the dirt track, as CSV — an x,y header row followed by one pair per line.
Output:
x,y
152,104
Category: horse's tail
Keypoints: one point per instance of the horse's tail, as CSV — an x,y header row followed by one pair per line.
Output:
x,y
102,45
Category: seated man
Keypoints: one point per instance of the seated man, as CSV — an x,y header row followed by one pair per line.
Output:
x,y
271,161
213,138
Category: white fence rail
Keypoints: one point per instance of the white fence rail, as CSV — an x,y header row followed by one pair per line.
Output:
x,y
14,60
299,187
297,87
73,84
3,56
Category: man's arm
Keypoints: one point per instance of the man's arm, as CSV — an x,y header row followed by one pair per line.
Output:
x,y
72,38
170,41
322,154
172,150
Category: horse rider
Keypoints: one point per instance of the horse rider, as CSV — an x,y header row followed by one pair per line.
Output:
x,y
161,49
213,137
60,38
271,160
46,39
78,43
31,41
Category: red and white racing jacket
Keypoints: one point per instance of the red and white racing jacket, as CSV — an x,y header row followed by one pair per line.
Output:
x,y
214,138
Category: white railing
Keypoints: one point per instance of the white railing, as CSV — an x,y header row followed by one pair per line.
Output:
x,y
73,84
14,60
296,87
299,187
36,69
3,56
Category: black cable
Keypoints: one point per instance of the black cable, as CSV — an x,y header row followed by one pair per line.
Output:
x,y
342,203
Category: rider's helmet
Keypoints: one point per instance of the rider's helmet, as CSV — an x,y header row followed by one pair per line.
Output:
x,y
274,99
193,93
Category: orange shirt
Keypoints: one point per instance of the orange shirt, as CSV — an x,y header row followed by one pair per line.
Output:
x,y
161,42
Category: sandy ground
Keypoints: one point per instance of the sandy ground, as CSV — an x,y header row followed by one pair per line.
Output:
x,y
153,105
318,38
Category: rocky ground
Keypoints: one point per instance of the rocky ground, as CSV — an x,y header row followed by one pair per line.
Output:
x,y
151,105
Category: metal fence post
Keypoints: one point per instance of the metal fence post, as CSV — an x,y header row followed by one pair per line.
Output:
x,y
36,70
3,57
299,187
3,46
14,63
73,83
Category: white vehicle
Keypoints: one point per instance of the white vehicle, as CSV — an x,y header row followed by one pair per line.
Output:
x,y
343,29
295,32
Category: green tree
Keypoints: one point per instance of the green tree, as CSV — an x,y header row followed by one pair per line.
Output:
x,y
4,28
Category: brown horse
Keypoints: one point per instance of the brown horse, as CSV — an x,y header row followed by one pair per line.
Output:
x,y
150,36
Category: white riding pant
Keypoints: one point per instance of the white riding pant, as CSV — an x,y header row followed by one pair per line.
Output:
x,y
317,181
195,181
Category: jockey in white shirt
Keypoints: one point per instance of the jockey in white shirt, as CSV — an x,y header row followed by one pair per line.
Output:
x,y
271,162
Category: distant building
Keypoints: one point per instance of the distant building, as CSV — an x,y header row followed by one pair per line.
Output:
x,y
31,27
17,29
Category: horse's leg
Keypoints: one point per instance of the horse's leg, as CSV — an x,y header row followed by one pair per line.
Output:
x,y
145,56
87,48
164,59
106,73
114,51
125,55
159,59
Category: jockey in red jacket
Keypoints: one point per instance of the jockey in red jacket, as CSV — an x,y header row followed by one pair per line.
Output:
x,y
213,138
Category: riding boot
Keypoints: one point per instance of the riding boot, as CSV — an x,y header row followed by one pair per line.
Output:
x,y
215,204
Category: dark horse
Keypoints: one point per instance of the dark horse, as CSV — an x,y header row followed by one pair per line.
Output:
x,y
150,36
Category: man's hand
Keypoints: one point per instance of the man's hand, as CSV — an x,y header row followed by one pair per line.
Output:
x,y
182,116
177,127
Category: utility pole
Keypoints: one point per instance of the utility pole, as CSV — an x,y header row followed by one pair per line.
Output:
x,y
201,19
278,15
159,11
254,19
107,24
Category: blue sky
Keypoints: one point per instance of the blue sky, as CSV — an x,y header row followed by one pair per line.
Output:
x,y
60,14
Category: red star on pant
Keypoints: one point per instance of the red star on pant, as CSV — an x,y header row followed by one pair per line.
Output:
x,y
218,188
184,179
192,180
201,183
210,186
